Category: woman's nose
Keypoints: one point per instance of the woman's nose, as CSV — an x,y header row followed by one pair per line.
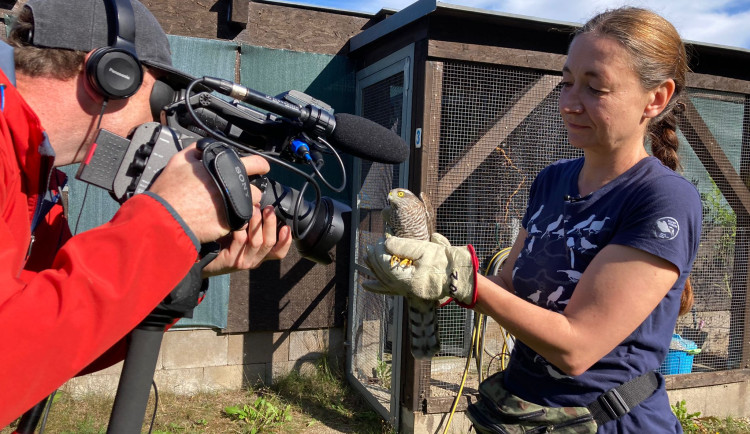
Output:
x,y
569,103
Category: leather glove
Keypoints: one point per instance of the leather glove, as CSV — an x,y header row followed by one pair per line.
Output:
x,y
428,270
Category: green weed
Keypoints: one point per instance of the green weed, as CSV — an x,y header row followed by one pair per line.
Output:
x,y
687,419
264,413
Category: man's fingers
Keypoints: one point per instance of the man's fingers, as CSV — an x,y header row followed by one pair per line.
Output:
x,y
269,227
283,243
255,165
255,231
277,239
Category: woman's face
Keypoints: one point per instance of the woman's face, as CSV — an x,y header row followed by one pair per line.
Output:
x,y
602,102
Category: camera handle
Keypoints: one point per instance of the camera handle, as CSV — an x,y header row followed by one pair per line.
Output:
x,y
228,172
144,343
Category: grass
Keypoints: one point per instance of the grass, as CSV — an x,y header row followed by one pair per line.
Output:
x,y
711,425
319,402
692,423
329,400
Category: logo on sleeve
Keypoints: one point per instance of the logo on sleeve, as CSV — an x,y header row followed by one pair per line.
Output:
x,y
667,228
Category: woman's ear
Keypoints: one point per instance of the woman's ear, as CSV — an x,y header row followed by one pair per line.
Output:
x,y
659,99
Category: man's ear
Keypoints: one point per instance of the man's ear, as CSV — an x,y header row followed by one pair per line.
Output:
x,y
87,87
659,99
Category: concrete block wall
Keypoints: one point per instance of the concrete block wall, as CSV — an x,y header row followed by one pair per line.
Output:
x,y
192,361
720,400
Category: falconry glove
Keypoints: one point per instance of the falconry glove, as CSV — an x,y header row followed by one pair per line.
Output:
x,y
428,270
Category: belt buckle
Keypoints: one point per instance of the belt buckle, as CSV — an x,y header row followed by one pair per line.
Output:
x,y
613,403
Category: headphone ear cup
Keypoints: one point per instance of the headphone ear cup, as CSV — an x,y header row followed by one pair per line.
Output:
x,y
114,73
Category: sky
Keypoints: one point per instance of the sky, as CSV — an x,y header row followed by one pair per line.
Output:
x,y
718,22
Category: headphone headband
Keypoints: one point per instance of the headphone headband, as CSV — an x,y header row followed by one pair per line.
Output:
x,y
123,25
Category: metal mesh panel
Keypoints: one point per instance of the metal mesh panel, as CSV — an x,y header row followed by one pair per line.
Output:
x,y
499,127
716,324
373,315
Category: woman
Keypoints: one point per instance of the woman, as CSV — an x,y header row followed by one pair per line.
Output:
x,y
593,307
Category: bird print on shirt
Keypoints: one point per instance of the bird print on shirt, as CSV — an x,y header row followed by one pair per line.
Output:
x,y
576,236
552,298
578,227
553,226
596,226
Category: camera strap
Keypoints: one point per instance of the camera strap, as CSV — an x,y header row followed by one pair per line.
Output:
x,y
229,174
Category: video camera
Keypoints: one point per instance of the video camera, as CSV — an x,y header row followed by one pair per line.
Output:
x,y
290,130
293,131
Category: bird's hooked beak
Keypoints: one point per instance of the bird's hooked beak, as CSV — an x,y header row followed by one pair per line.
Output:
x,y
388,198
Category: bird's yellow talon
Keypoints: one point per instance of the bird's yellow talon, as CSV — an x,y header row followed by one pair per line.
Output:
x,y
403,263
394,261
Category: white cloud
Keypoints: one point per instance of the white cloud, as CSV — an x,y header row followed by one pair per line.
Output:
x,y
696,20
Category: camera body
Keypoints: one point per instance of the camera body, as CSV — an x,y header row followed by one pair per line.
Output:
x,y
125,167
128,166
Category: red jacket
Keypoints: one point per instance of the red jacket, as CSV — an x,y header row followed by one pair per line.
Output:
x,y
73,298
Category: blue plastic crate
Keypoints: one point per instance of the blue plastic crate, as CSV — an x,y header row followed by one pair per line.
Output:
x,y
680,357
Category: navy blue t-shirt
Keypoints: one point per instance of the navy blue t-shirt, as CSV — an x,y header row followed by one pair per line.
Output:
x,y
650,208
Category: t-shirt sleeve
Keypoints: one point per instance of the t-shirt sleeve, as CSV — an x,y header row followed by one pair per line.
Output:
x,y
665,220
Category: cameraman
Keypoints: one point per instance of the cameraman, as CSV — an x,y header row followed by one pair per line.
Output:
x,y
65,301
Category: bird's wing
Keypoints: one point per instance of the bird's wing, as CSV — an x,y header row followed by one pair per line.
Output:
x,y
430,211
386,213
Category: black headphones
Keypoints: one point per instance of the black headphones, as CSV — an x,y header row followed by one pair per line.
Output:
x,y
115,71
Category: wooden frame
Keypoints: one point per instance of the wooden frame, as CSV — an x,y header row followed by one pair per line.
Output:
x,y
540,46
733,185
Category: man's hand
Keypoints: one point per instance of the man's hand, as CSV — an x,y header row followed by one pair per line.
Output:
x,y
188,187
438,270
251,246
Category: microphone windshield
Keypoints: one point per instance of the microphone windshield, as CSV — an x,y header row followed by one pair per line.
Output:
x,y
366,139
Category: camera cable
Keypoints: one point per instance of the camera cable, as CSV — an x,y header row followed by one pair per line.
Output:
x,y
86,190
309,178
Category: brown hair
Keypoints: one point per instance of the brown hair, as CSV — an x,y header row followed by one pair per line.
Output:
x,y
41,62
657,54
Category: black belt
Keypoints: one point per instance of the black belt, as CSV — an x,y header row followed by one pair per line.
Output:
x,y
615,403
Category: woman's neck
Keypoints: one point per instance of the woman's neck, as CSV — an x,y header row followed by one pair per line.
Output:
x,y
600,169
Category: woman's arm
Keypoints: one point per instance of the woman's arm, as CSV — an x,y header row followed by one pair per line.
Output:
x,y
615,294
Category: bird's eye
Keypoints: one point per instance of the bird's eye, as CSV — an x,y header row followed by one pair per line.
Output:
x,y
400,194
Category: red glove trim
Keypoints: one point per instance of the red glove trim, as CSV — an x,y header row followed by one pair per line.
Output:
x,y
446,303
475,266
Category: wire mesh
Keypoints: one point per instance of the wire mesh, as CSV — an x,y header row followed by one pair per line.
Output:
x,y
496,128
373,314
710,337
499,126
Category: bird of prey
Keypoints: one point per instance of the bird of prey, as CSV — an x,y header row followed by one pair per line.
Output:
x,y
408,216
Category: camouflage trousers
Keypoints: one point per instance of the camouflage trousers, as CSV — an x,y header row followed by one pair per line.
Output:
x,y
500,412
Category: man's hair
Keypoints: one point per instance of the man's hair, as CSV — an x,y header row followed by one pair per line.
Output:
x,y
35,61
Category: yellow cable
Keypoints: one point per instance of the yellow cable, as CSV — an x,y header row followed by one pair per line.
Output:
x,y
463,381
475,337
